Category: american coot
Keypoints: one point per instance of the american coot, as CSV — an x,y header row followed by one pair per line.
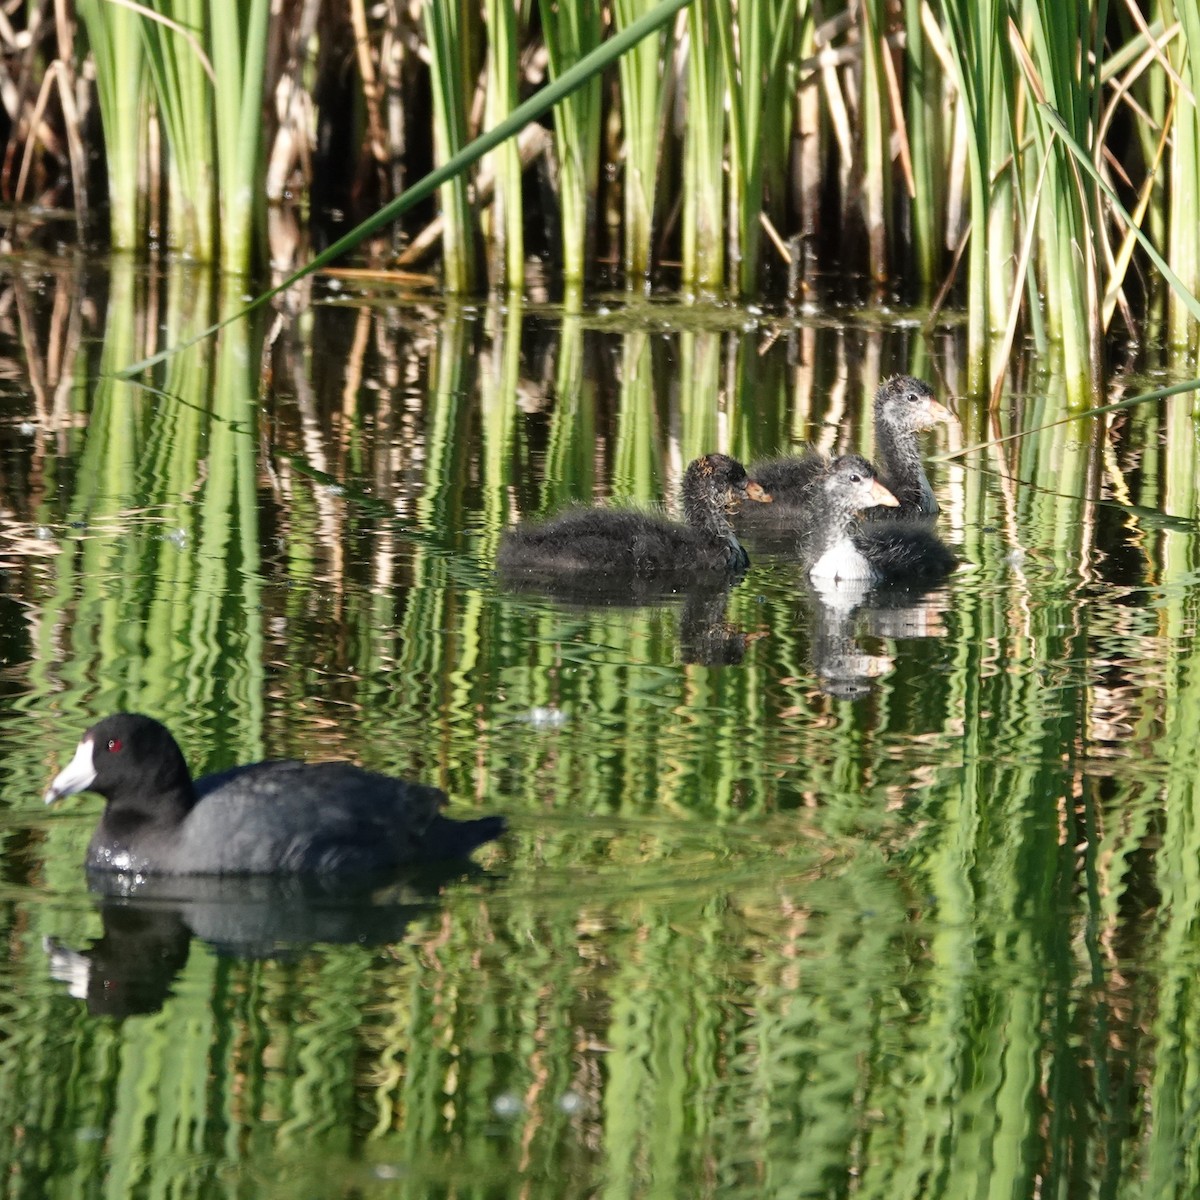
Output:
x,y
836,545
904,406
607,542
276,817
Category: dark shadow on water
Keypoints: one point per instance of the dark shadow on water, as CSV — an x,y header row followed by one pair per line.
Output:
x,y
615,589
705,637
150,921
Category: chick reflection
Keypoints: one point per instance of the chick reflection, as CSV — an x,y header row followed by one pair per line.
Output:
x,y
149,923
842,610
705,637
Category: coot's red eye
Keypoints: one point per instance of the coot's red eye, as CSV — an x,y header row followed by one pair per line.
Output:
x,y
114,744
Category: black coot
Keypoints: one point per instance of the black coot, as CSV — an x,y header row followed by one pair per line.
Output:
x,y
904,406
836,545
595,543
276,817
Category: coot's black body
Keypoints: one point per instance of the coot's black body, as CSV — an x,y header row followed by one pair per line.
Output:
x,y
625,545
904,551
837,545
904,406
276,817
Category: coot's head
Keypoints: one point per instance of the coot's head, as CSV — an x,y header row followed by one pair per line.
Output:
x,y
126,754
908,405
849,486
717,484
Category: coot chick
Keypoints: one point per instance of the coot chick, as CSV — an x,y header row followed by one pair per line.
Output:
x,y
904,406
837,545
275,817
598,543
829,508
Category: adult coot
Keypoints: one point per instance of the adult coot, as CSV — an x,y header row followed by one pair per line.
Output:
x,y
275,817
904,406
836,545
620,543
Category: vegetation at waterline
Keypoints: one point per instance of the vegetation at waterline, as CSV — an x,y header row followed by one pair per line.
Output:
x,y
744,146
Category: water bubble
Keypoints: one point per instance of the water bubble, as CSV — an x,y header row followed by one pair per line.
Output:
x,y
389,1171
508,1106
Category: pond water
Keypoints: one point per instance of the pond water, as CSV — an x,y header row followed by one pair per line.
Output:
x,y
898,898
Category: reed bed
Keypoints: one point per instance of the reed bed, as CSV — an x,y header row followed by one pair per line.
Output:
x,y
1016,152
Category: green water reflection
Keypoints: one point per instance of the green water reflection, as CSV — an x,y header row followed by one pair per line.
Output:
x,y
898,901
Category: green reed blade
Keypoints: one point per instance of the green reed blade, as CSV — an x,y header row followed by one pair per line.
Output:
x,y
1178,288
760,109
928,136
704,151
506,243
449,27
1183,232
976,41
184,93
642,98
876,135
572,31
1066,212
115,38
238,30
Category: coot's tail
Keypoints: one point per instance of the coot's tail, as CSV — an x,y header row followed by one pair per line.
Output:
x,y
446,839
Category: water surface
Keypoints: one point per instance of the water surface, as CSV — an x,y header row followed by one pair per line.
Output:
x,y
894,899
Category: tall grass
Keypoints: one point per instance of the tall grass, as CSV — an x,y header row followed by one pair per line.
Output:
x,y
186,99
450,27
704,153
642,99
238,35
114,35
506,243
697,151
199,72
1183,237
571,31
928,132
